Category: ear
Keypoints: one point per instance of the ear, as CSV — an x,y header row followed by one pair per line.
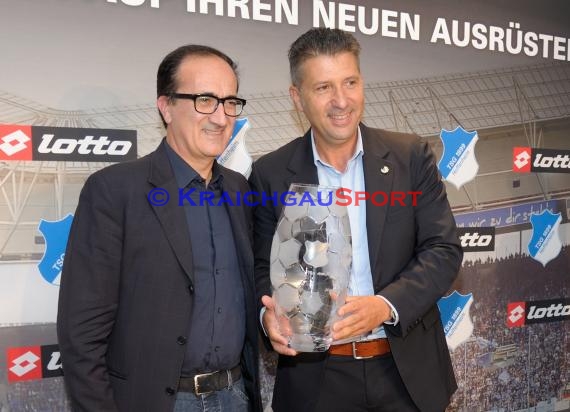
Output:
x,y
163,104
296,97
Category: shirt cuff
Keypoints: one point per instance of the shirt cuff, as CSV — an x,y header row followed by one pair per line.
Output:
x,y
261,313
395,317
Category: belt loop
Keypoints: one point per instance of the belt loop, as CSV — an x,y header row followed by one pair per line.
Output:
x,y
230,381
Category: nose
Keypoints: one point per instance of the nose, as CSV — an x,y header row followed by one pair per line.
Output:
x,y
339,98
219,116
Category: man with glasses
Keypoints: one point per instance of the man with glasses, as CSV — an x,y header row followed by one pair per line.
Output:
x,y
156,308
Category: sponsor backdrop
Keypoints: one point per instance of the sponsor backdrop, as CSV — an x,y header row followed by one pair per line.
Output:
x,y
486,83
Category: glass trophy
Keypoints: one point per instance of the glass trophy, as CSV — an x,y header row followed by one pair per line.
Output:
x,y
311,257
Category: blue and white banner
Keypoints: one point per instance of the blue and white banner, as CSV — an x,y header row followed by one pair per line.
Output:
x,y
509,216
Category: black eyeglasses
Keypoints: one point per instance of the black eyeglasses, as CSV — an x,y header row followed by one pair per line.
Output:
x,y
208,103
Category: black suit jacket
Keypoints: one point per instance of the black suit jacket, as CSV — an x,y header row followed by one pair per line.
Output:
x,y
126,293
414,256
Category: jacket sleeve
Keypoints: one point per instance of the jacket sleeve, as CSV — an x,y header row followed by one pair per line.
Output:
x,y
436,255
88,298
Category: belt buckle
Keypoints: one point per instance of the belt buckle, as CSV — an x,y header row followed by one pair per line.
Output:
x,y
354,355
197,386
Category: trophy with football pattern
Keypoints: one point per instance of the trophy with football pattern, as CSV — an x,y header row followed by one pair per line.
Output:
x,y
311,257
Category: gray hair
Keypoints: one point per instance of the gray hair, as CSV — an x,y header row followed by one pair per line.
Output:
x,y
319,41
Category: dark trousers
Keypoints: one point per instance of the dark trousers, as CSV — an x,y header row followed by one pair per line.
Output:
x,y
367,385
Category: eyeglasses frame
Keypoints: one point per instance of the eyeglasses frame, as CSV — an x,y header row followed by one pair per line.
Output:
x,y
194,96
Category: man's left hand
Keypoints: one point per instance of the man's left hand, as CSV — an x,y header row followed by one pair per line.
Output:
x,y
360,314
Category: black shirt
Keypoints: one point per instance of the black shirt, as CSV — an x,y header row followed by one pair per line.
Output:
x,y
217,326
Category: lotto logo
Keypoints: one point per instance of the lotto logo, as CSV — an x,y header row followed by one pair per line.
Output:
x,y
548,311
476,239
51,361
540,311
532,159
15,142
550,161
516,314
65,144
33,362
24,363
521,159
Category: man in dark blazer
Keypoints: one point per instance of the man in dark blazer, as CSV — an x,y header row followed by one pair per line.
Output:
x,y
405,254
157,307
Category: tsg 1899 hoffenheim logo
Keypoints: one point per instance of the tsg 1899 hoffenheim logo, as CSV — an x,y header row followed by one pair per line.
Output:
x,y
458,164
55,234
545,244
457,324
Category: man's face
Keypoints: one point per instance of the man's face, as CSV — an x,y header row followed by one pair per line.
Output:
x,y
199,138
331,94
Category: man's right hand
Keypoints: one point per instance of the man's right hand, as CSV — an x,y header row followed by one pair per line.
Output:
x,y
271,325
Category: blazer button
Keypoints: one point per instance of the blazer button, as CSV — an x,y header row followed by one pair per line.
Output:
x,y
181,340
170,391
191,289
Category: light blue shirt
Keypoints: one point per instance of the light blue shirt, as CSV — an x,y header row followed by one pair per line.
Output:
x,y
353,178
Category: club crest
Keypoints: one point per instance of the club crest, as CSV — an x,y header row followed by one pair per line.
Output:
x,y
55,234
545,244
455,317
458,164
236,155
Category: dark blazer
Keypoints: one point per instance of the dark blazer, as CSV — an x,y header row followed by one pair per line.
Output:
x,y
414,256
126,293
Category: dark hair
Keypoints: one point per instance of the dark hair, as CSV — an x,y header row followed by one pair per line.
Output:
x,y
166,75
320,41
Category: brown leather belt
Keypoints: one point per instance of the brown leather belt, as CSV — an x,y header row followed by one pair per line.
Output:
x,y
361,350
210,382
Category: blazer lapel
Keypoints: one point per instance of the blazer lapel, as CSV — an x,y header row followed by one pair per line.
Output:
x,y
302,164
378,176
171,216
